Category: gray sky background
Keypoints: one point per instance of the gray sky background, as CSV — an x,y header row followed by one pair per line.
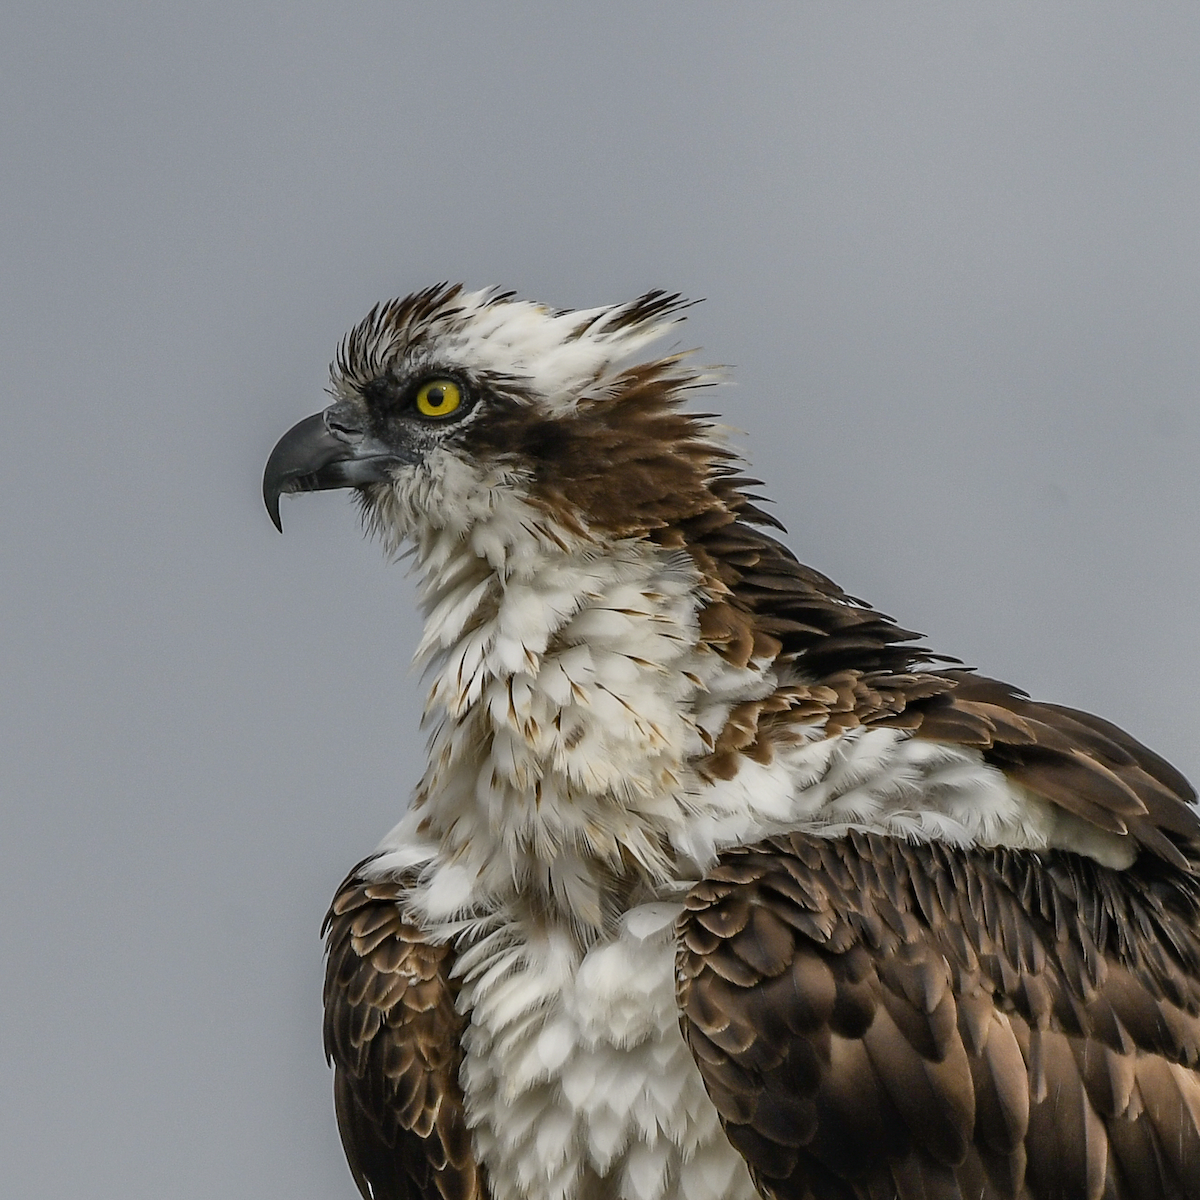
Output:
x,y
949,250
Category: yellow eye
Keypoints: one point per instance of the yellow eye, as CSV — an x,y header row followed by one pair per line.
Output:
x,y
438,398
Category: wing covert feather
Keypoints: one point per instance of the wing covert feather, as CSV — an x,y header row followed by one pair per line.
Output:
x,y
892,1021
392,1036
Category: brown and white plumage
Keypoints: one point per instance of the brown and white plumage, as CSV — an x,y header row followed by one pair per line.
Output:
x,y
879,1018
715,882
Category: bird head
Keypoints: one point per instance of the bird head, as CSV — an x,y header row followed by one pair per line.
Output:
x,y
449,405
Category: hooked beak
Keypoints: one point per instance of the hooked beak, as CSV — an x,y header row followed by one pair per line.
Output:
x,y
330,449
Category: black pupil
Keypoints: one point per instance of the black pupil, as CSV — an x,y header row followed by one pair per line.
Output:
x,y
435,396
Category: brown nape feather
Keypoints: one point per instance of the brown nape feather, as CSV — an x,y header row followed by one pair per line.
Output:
x,y
633,464
875,1019
392,1035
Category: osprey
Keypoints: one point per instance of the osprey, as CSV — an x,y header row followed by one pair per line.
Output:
x,y
715,884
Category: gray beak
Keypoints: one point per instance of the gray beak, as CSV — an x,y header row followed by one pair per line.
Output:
x,y
330,449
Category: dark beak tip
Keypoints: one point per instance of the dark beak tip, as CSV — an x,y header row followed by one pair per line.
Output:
x,y
271,493
296,453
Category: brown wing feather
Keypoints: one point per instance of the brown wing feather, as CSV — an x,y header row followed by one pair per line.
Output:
x,y
861,668
875,1019
392,1036
1076,761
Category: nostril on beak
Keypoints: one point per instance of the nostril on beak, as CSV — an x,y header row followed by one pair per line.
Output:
x,y
343,424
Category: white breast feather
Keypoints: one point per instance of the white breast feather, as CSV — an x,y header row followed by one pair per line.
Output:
x,y
576,1070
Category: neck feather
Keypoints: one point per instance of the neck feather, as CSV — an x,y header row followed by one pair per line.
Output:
x,y
570,693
